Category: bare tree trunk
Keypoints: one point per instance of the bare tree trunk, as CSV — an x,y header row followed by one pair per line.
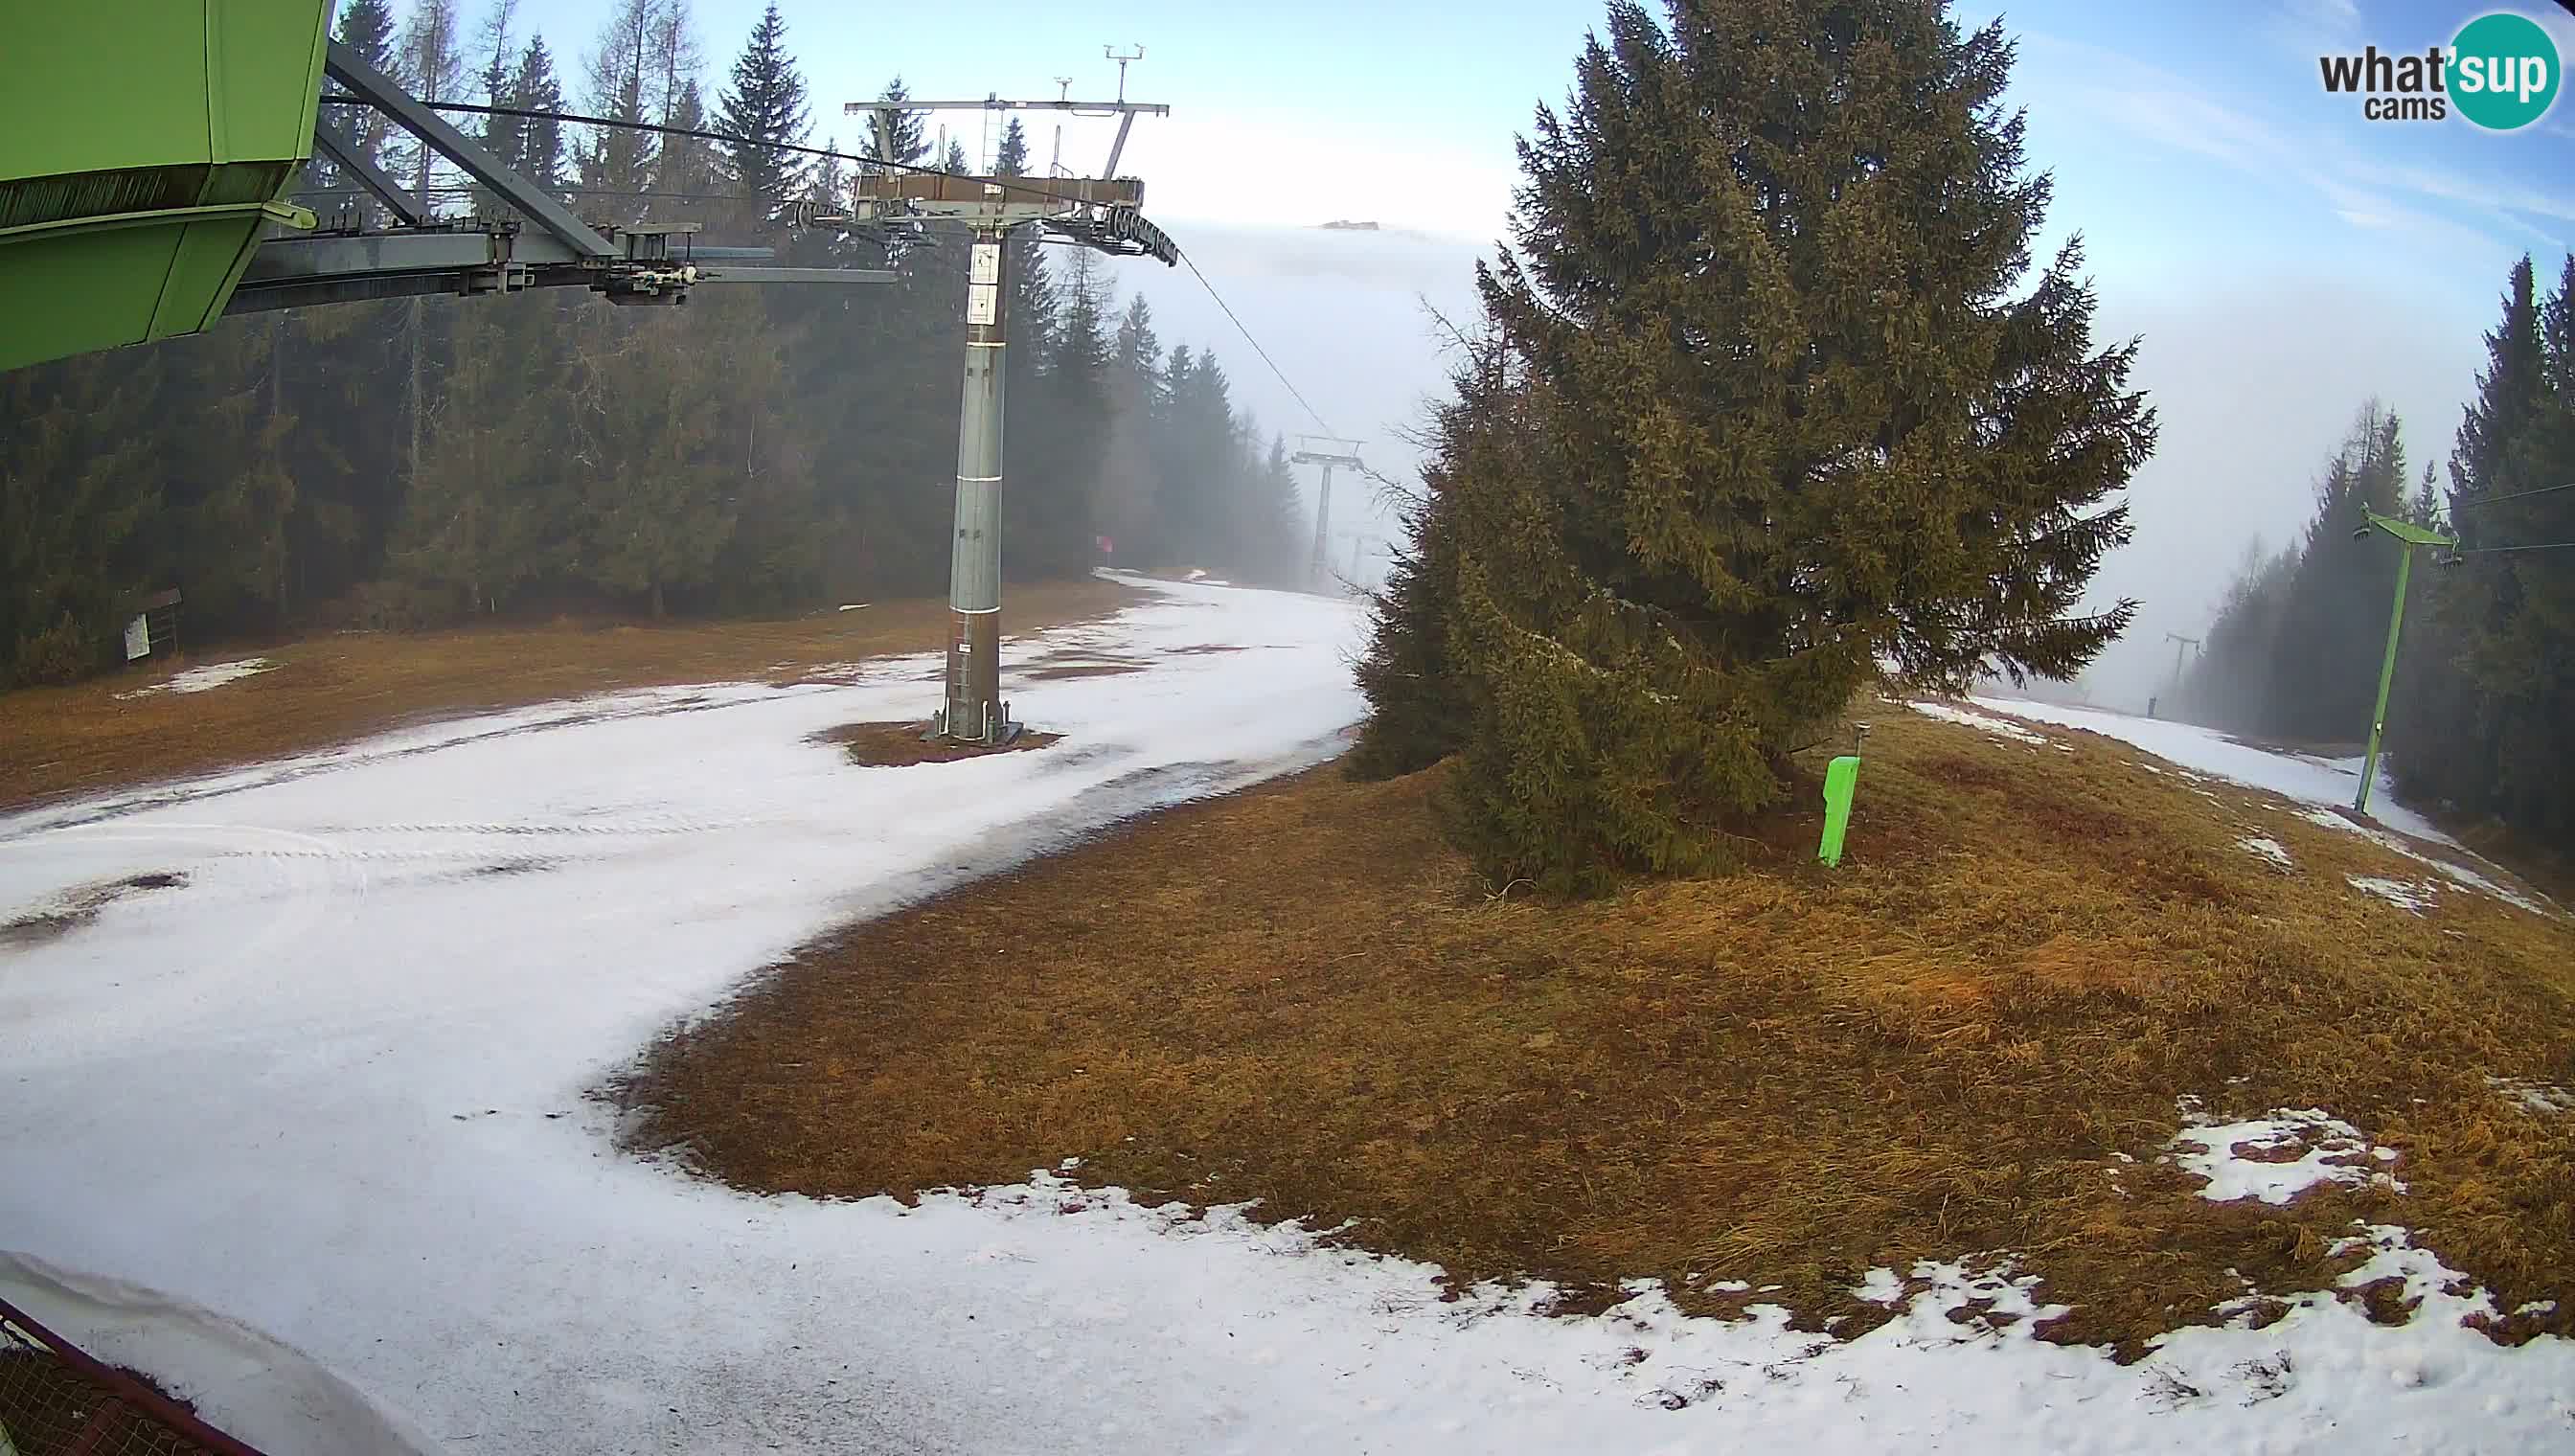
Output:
x,y
411,327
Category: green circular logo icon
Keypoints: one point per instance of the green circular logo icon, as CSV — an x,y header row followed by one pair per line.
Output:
x,y
2503,70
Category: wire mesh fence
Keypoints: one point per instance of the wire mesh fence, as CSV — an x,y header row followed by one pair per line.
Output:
x,y
57,1401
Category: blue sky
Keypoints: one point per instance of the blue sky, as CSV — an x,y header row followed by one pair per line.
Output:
x,y
2283,258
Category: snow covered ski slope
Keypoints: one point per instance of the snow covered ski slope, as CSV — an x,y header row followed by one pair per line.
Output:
x,y
307,1046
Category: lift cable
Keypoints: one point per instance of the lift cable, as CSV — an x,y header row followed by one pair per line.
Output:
x,y
2493,550
2515,496
1254,342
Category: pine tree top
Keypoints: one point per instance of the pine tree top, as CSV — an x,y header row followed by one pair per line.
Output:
x,y
1012,158
764,101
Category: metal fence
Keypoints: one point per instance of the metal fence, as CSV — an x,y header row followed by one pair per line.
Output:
x,y
57,1401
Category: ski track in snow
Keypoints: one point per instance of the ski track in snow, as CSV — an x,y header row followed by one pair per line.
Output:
x,y
331,1085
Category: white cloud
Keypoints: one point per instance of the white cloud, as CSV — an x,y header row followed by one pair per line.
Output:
x,y
2316,27
2461,186
2351,185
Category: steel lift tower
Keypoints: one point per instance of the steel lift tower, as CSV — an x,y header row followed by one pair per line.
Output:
x,y
1094,212
1327,450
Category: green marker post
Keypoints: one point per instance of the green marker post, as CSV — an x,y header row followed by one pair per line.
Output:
x,y
1842,780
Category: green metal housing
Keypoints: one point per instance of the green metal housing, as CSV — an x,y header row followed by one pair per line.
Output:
x,y
143,149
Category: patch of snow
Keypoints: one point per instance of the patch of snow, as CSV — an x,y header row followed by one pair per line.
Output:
x,y
2275,1158
2292,775
1983,722
1879,1286
200,679
856,606
2540,1098
2462,875
2456,872
2267,849
2413,897
364,1067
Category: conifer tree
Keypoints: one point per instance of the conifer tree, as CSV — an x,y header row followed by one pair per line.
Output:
x,y
2328,632
619,159
911,136
764,101
1129,468
366,27
534,87
686,170
1799,407
500,134
1013,159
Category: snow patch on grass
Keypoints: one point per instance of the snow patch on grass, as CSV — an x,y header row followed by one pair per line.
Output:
x,y
2455,872
2534,1096
200,679
1983,722
2265,849
2291,776
2413,897
2462,875
2277,1158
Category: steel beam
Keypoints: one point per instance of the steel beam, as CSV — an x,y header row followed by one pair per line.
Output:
x,y
1076,108
730,273
1117,148
1011,191
295,271
371,86
406,209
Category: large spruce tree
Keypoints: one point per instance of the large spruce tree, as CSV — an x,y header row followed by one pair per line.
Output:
x,y
763,106
1798,407
534,87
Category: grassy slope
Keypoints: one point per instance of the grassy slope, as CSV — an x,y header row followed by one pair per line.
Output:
x,y
329,689
1300,994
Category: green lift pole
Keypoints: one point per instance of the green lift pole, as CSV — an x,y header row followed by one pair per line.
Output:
x,y
2410,536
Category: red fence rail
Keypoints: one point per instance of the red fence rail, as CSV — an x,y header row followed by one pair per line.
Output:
x,y
56,1400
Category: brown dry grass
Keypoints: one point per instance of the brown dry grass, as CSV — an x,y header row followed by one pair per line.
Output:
x,y
1791,1075
897,744
329,689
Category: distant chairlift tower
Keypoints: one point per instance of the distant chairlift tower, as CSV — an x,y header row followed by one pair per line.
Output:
x,y
1327,450
1096,212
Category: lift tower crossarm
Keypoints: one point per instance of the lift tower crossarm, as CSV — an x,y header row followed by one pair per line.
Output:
x,y
883,112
